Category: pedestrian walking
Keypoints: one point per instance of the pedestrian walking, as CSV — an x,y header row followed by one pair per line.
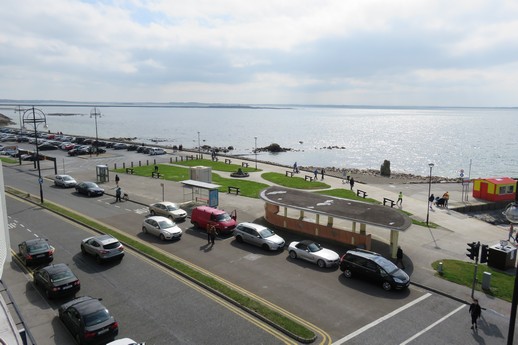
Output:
x,y
511,233
211,233
295,169
351,182
156,168
322,173
117,179
475,311
446,197
118,193
399,258
430,201
399,201
316,173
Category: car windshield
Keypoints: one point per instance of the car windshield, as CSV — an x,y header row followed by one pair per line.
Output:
x,y
224,217
67,178
91,185
39,247
265,233
387,265
96,317
60,276
172,207
314,247
166,224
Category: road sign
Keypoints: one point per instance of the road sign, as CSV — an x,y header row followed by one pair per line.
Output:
x,y
40,180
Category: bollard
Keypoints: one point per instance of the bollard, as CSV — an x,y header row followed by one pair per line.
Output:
x,y
139,163
123,165
154,161
439,268
131,163
486,281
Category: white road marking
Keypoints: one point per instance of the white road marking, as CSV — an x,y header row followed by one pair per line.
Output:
x,y
381,319
432,325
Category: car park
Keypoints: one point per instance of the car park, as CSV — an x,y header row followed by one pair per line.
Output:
x,y
64,181
167,209
374,267
313,252
35,251
57,280
89,189
103,248
162,227
203,216
258,235
88,320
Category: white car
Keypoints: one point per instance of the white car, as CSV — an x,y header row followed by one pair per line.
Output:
x,y
64,181
313,252
162,227
125,341
167,209
156,151
258,235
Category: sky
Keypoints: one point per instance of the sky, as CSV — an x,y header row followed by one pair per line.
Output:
x,y
343,52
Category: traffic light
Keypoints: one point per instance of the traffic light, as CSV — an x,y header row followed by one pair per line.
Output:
x,y
484,253
473,250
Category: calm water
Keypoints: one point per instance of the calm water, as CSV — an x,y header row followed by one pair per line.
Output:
x,y
409,138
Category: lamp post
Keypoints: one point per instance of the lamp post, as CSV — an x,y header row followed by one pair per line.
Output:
x,y
36,116
199,146
94,113
511,213
429,191
255,151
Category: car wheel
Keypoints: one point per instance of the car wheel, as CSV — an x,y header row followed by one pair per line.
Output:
x,y
152,213
162,237
89,194
293,255
321,263
239,239
386,286
195,224
171,217
83,250
265,246
98,259
348,273
144,230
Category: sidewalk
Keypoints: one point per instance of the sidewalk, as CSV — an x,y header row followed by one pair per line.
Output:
x,y
421,245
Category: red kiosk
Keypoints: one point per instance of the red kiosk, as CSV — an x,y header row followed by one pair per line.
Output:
x,y
494,189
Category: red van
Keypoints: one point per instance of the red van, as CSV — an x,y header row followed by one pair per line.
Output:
x,y
203,215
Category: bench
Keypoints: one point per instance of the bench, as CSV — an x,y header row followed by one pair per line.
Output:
x,y
155,174
309,177
227,161
288,172
129,171
362,192
244,164
386,200
233,189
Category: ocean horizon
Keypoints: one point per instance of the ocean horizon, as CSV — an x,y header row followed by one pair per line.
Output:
x,y
477,141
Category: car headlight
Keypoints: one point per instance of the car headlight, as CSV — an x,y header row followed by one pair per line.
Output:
x,y
399,281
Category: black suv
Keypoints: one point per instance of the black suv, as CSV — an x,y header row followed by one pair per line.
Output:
x,y
372,266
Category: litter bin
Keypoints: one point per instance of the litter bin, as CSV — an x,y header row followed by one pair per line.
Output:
x,y
502,256
103,174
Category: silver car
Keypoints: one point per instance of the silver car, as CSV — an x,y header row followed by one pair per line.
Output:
x,y
167,209
162,227
313,252
64,181
103,247
258,235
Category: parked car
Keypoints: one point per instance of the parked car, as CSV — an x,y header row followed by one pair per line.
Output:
x,y
132,147
57,280
313,252
103,248
89,188
120,146
64,181
258,235
154,151
36,251
167,209
202,216
162,227
31,157
47,147
88,320
125,341
374,267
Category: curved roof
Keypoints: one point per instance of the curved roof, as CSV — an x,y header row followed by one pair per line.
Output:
x,y
356,211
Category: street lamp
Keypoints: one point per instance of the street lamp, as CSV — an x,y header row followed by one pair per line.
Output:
x,y
199,146
95,114
429,191
255,151
511,213
36,116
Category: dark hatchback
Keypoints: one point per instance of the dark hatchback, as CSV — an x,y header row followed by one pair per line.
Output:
x,y
36,251
57,280
88,320
374,267
89,188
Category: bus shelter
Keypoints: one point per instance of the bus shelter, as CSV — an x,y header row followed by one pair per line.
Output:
x,y
203,192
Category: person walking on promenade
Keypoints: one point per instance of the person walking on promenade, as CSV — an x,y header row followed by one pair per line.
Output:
x,y
351,182
399,258
399,201
295,168
430,201
322,172
511,233
475,311
316,173
118,193
117,179
211,233
446,197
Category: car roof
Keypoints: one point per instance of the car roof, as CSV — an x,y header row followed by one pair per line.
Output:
x,y
158,218
56,268
210,209
307,242
364,253
86,304
253,225
165,203
35,241
105,239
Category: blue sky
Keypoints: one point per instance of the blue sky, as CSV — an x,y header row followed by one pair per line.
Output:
x,y
425,53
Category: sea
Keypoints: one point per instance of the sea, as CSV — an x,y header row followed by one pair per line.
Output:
x,y
460,142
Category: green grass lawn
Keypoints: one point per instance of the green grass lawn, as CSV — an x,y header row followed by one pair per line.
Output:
x,y
293,182
219,166
8,160
461,272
